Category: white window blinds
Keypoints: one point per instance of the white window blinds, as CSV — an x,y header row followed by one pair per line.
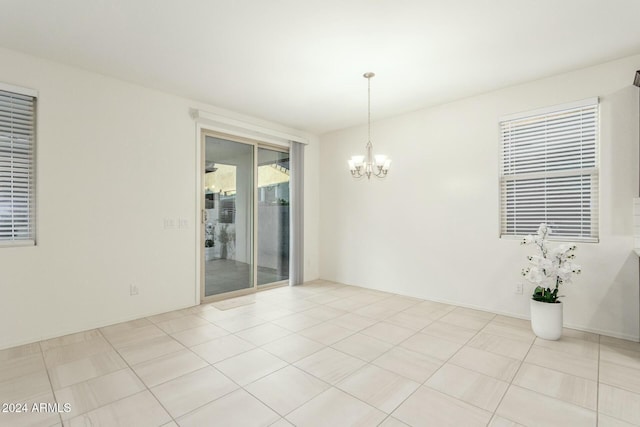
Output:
x,y
17,157
549,171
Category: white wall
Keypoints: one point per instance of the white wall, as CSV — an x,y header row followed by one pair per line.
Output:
x,y
114,161
430,230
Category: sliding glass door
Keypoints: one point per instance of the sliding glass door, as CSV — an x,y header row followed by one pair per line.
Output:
x,y
245,216
273,216
228,216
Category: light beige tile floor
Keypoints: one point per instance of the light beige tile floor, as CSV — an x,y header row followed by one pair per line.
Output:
x,y
323,354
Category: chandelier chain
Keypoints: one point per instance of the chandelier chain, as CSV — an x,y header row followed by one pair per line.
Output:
x,y
369,107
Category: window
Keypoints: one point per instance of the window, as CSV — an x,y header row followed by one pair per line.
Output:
x,y
549,171
17,158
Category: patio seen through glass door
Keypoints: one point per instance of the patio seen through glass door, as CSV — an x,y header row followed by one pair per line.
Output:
x,y
245,216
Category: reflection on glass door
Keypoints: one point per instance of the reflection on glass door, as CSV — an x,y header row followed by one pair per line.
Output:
x,y
228,216
273,216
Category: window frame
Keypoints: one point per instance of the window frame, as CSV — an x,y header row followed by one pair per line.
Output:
x,y
552,171
32,240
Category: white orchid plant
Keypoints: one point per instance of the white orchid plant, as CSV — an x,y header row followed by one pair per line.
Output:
x,y
550,267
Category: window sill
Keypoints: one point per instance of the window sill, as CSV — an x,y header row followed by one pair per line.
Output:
x,y
16,243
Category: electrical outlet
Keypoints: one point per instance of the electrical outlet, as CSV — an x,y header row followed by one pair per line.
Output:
x,y
518,289
133,290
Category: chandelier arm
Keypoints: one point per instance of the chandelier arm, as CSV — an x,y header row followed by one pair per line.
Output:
x,y
357,173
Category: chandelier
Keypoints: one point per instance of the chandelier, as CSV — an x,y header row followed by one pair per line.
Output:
x,y
369,164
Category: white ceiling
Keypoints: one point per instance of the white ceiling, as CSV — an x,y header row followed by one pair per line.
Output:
x,y
300,62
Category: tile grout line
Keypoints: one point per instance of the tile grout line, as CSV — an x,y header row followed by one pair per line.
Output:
x,y
336,387
213,367
121,369
240,387
551,368
399,343
137,376
277,370
46,369
330,386
325,346
447,361
444,363
299,406
495,412
191,372
617,387
451,357
297,333
366,362
564,373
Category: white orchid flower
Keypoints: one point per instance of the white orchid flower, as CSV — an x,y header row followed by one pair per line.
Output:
x,y
550,267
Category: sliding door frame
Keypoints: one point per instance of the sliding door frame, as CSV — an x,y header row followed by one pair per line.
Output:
x,y
200,254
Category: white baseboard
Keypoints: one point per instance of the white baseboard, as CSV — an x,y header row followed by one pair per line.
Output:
x,y
613,334
90,326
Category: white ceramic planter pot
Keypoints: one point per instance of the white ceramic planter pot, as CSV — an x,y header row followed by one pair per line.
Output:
x,y
546,319
209,253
